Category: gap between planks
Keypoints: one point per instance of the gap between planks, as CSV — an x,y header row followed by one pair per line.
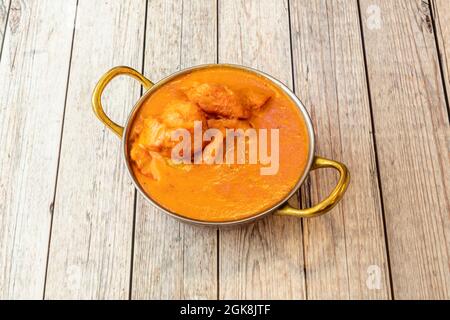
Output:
x,y
59,151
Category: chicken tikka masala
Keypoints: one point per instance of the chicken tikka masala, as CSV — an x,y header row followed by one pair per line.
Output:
x,y
221,98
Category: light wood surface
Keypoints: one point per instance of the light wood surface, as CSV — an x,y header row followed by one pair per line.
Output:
x,y
91,239
33,77
374,75
441,14
412,135
4,14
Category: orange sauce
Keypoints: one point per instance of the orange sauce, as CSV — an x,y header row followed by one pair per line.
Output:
x,y
225,192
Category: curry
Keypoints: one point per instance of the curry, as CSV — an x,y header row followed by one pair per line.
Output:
x,y
222,98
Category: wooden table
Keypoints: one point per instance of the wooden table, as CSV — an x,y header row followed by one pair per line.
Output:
x,y
374,75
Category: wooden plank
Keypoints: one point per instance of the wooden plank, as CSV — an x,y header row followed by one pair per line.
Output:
x,y
441,14
173,260
412,130
341,246
265,259
90,250
33,74
4,11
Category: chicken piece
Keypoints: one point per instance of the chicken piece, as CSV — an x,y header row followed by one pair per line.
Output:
x,y
148,162
139,155
255,98
217,99
156,165
182,114
156,133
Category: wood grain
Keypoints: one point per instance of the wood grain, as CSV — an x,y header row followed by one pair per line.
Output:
x,y
4,12
441,14
263,260
173,260
90,249
411,130
330,79
33,77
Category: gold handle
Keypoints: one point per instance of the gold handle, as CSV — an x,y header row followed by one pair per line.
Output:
x,y
98,91
328,203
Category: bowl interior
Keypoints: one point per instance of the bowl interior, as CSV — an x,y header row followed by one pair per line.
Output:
x,y
276,82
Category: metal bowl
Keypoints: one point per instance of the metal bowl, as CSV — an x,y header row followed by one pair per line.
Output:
x,y
279,208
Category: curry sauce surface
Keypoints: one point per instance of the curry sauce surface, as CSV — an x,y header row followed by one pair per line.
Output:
x,y
225,192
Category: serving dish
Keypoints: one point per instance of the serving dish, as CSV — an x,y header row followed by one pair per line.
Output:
x,y
281,207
